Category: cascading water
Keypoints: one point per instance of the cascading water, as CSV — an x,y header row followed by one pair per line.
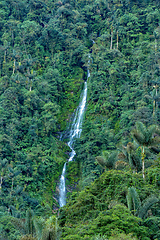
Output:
x,y
75,132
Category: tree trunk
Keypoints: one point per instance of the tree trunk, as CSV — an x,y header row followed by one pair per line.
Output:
x,y
143,156
155,45
154,104
14,65
1,183
111,38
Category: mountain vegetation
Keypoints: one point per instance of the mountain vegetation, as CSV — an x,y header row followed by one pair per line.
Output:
x,y
113,184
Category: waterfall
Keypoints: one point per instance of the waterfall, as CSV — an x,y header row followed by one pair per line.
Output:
x,y
75,132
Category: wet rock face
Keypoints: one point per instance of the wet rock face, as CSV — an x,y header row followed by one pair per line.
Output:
x,y
75,132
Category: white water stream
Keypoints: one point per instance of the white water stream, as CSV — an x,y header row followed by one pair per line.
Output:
x,y
75,132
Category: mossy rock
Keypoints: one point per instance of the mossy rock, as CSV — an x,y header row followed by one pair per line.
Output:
x,y
73,88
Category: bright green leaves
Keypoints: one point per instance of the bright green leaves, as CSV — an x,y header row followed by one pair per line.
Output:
x,y
100,209
49,113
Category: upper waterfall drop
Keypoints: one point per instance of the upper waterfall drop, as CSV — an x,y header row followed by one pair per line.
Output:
x,y
75,132
76,127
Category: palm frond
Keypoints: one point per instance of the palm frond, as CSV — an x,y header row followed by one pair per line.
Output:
x,y
107,160
112,158
11,170
105,154
39,224
146,205
136,161
155,141
133,199
130,160
149,133
130,147
100,161
129,200
155,150
148,96
141,127
29,222
51,230
43,210
153,93
138,137
157,131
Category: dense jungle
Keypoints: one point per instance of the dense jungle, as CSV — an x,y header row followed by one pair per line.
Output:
x,y
113,183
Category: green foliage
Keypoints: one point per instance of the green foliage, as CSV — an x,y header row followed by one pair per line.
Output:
x,y
123,236
145,137
44,49
106,223
153,223
97,208
33,227
107,161
146,205
133,200
51,229
7,229
28,237
134,203
26,227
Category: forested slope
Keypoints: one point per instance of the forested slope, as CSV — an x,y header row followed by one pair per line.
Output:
x,y
44,51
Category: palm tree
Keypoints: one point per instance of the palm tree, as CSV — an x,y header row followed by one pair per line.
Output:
x,y
139,208
129,155
51,229
155,98
145,137
47,229
25,226
36,228
133,200
107,160
3,164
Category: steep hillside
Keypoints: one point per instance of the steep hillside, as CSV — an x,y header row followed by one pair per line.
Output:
x,y
102,208
45,46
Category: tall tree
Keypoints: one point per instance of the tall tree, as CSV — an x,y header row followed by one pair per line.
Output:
x,y
145,137
139,208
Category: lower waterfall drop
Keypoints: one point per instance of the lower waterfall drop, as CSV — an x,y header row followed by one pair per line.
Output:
x,y
75,132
